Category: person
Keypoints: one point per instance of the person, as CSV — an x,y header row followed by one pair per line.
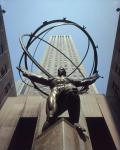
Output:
x,y
63,96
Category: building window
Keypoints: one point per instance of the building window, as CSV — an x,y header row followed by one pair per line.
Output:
x,y
119,50
3,71
119,71
1,49
7,87
24,133
116,68
115,88
99,134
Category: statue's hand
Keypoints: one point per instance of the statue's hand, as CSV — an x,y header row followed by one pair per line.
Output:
x,y
24,72
20,69
95,76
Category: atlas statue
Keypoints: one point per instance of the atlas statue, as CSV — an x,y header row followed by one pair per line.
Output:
x,y
64,90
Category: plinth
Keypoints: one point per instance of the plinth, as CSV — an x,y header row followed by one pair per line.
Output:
x,y
60,136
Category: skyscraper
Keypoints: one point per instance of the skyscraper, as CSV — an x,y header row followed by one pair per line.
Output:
x,y
7,85
52,60
113,88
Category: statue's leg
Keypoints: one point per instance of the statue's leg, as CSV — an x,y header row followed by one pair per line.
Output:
x,y
73,104
74,114
51,108
54,107
51,105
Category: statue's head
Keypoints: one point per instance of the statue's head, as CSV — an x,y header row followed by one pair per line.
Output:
x,y
61,72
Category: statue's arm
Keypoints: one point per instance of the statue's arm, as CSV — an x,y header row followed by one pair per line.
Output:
x,y
34,77
90,80
86,81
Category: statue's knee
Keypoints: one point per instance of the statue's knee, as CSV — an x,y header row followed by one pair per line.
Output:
x,y
51,105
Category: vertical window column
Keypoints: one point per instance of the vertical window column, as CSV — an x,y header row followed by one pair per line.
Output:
x,y
1,49
3,71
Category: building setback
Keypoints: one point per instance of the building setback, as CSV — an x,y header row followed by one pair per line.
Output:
x,y
7,85
22,118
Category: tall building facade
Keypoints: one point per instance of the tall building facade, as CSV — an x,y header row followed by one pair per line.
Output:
x,y
7,85
113,88
52,60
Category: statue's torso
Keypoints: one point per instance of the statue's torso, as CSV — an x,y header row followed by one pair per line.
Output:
x,y
62,83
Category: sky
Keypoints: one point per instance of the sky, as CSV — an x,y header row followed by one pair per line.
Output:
x,y
99,17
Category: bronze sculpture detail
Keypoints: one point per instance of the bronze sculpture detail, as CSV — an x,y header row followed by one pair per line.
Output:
x,y
63,96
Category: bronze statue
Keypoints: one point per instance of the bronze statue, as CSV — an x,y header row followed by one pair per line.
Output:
x,y
63,96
